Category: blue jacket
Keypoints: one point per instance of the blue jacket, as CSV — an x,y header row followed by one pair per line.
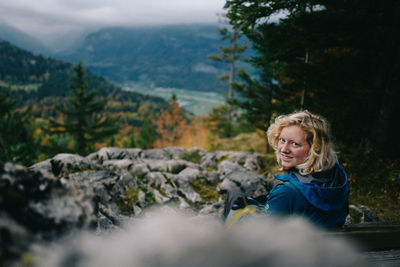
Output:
x,y
322,198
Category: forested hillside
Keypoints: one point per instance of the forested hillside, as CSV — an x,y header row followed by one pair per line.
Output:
x,y
44,76
36,90
167,56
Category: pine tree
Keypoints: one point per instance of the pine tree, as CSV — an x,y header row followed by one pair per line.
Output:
x,y
338,58
147,135
230,54
83,120
17,143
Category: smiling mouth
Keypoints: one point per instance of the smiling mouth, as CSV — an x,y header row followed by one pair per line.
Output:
x,y
285,157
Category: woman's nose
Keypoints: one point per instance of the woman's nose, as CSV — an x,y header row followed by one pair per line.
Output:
x,y
285,147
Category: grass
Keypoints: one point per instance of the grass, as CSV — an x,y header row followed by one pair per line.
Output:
x,y
193,156
250,142
26,87
375,182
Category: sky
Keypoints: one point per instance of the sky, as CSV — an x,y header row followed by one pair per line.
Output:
x,y
46,18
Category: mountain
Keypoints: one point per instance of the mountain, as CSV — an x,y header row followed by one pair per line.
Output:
x,y
21,69
22,39
167,56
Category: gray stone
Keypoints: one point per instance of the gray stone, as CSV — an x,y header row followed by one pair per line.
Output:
x,y
250,182
367,215
45,205
116,153
155,154
175,152
188,175
116,164
227,186
155,179
139,168
209,160
160,198
64,163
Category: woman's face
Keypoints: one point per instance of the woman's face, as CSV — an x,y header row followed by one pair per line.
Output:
x,y
293,147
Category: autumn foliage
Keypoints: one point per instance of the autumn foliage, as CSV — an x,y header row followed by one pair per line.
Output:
x,y
170,125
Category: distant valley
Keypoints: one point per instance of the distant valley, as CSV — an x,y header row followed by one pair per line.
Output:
x,y
167,56
149,57
195,102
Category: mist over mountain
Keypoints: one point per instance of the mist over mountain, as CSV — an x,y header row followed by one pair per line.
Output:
x,y
173,56
165,56
22,39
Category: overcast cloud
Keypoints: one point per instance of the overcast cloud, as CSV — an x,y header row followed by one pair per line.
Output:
x,y
44,18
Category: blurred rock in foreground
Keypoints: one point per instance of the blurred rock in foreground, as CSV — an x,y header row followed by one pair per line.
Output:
x,y
109,190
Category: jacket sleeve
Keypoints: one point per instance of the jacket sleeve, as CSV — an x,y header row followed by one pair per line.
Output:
x,y
281,200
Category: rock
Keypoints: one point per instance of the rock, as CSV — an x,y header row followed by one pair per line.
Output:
x,y
117,164
109,188
187,175
209,160
155,154
159,198
175,152
155,179
115,153
214,209
15,239
44,204
361,214
250,182
139,169
63,164
40,207
171,166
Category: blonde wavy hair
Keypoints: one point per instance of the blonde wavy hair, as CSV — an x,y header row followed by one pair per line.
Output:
x,y
321,155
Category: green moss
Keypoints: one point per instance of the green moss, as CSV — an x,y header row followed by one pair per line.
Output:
x,y
221,159
126,202
159,189
74,169
355,215
194,157
209,169
206,190
27,259
148,196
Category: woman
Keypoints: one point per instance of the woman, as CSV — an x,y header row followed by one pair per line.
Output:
x,y
315,185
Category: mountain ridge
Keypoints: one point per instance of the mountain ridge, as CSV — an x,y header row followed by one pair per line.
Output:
x,y
22,39
168,56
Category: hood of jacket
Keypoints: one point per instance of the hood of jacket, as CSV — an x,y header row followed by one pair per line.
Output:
x,y
327,190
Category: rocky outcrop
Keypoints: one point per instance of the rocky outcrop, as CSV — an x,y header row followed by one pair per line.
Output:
x,y
112,186
107,189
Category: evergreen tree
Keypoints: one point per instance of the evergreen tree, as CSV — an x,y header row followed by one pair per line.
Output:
x,y
339,58
256,100
147,135
230,54
83,119
219,123
17,143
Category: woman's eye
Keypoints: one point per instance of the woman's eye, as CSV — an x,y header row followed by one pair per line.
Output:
x,y
295,144
281,140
